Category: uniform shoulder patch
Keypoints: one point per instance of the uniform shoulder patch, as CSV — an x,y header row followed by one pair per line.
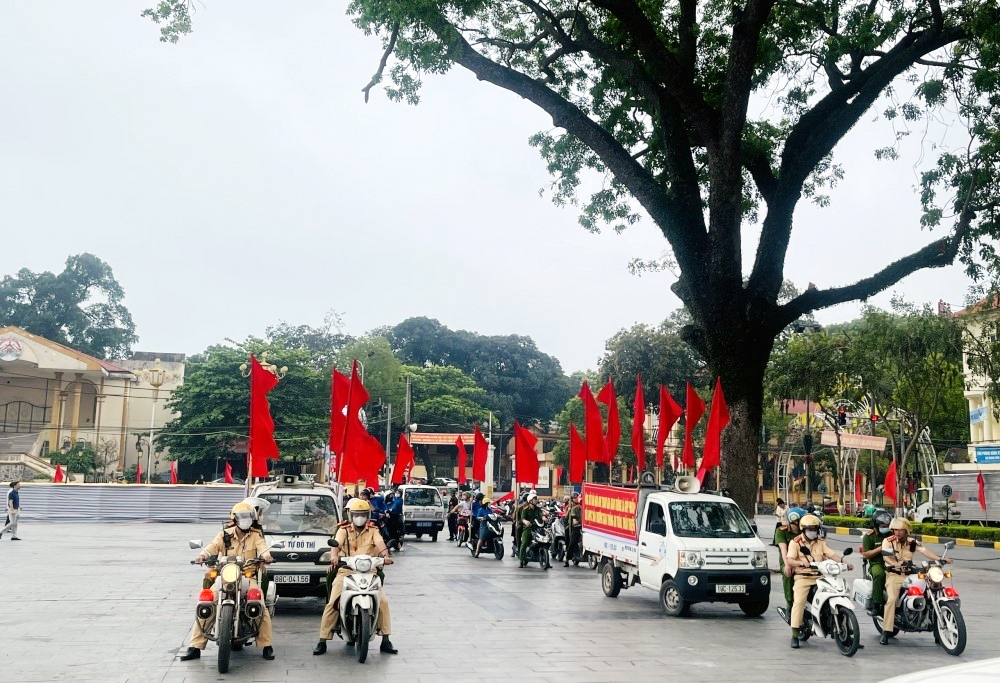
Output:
x,y
343,524
372,525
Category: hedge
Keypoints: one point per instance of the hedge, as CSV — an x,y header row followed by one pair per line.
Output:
x,y
947,530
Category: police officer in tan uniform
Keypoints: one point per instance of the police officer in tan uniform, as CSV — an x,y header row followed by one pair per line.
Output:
x,y
245,539
357,536
806,576
897,551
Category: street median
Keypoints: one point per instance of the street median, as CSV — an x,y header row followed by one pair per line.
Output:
x,y
965,536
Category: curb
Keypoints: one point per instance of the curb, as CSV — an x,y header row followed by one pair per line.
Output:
x,y
925,538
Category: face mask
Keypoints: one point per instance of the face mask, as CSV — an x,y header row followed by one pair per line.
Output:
x,y
884,530
359,520
244,524
812,535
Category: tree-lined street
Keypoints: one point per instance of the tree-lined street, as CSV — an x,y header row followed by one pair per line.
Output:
x,y
122,609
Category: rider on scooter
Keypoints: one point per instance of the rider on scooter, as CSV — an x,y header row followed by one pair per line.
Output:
x,y
358,536
573,516
244,537
528,516
480,521
806,576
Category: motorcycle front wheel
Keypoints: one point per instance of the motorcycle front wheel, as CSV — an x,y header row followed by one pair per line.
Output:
x,y
847,633
225,637
363,635
498,550
951,629
879,621
543,558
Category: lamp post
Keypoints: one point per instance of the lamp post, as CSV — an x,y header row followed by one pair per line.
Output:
x,y
156,377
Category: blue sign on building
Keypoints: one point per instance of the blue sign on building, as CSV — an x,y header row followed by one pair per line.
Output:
x,y
987,455
977,415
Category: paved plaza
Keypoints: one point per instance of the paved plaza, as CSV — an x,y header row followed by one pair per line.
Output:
x,y
115,602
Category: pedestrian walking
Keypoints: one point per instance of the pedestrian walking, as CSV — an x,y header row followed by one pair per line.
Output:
x,y
13,510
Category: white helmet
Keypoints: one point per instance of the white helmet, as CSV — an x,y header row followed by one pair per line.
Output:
x,y
532,497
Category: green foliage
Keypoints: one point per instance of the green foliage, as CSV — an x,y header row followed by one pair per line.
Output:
x,y
445,399
383,373
81,307
932,529
82,457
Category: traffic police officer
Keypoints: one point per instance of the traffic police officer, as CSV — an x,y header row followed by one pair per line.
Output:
x,y
871,551
783,535
898,550
806,576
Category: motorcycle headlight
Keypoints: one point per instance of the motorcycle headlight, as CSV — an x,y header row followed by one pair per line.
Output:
x,y
363,565
230,573
834,569
935,574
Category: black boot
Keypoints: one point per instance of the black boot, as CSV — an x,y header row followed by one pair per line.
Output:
x,y
320,648
387,647
268,653
192,653
884,640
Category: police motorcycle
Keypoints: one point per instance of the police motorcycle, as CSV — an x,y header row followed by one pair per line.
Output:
x,y
234,613
924,603
493,543
360,601
829,610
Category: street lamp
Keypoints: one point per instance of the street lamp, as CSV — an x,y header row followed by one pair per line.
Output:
x,y
156,377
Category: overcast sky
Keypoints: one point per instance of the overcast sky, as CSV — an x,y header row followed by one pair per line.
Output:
x,y
238,179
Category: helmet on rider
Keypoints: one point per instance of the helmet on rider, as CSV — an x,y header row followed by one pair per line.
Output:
x,y
795,515
359,511
881,519
480,496
810,525
389,495
900,524
576,497
243,516
566,499
532,497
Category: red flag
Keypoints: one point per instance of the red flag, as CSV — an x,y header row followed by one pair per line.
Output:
x,y
638,423
480,452
577,455
613,438
592,425
890,481
695,408
262,446
504,498
173,471
525,456
138,472
229,474
404,460
857,488
718,418
982,491
340,386
460,445
556,476
58,478
670,412
360,454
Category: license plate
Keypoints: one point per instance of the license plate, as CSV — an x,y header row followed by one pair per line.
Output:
x,y
291,578
730,588
423,523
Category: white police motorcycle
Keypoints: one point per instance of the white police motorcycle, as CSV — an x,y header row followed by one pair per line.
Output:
x,y
830,611
361,600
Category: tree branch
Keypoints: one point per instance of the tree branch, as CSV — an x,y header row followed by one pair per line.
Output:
x,y
376,79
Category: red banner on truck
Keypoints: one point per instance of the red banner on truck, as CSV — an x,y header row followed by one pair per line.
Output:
x,y
610,510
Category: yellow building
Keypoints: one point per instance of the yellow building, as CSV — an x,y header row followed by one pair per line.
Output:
x,y
52,397
984,430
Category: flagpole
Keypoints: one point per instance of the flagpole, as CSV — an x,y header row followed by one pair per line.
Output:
x,y
246,484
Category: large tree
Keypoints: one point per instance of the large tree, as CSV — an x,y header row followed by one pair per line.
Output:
x,y
81,307
655,97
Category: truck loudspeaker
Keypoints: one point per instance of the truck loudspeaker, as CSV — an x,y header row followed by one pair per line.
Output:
x,y
687,485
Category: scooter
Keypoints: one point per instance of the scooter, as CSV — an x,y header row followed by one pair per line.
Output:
x,y
829,610
462,535
924,603
360,601
538,548
558,531
231,614
493,543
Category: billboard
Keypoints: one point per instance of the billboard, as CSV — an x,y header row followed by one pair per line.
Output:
x,y
610,510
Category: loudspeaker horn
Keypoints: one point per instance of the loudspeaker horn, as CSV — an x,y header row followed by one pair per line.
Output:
x,y
687,485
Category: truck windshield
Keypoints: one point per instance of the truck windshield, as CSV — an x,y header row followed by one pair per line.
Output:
x,y
422,497
300,514
709,519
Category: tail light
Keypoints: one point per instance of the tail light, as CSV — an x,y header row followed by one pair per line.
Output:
x,y
950,592
206,596
914,591
254,594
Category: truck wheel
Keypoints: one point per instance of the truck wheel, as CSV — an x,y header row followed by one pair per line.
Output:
x,y
754,607
591,561
670,598
611,580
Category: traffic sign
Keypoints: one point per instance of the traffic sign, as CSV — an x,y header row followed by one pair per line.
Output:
x,y
946,491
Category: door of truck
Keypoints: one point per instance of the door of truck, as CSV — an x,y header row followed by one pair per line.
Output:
x,y
652,544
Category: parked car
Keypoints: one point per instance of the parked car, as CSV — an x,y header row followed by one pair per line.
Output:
x,y
222,480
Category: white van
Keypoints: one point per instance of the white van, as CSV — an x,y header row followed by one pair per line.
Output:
x,y
423,510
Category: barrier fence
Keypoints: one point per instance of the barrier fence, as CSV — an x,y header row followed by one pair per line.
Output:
x,y
127,502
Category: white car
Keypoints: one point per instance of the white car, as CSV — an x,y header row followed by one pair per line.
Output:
x,y
971,672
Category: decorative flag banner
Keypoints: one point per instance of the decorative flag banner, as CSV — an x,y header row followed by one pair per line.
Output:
x,y
525,455
361,456
340,387
638,424
694,408
138,472
613,437
592,428
262,446
229,473
577,455
890,481
718,418
58,478
404,460
480,453
460,445
982,491
857,488
670,412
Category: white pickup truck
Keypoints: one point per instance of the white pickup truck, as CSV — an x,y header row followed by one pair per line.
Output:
x,y
690,547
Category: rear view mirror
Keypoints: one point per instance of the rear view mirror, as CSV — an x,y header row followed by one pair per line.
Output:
x,y
848,551
949,545
194,545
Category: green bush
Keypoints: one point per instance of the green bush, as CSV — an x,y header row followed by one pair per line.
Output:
x,y
948,530
851,522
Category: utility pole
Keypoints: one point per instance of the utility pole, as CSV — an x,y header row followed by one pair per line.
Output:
x,y
406,410
388,431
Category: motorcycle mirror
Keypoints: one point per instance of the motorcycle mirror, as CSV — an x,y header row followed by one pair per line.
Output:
x,y
333,543
194,545
848,551
949,545
278,546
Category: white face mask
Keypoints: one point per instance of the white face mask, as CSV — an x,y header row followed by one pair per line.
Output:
x,y
812,535
359,520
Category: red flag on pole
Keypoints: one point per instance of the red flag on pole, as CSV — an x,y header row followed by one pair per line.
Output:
x,y
718,418
173,471
890,481
592,425
525,455
857,488
670,412
360,455
340,386
694,408
480,453
577,455
262,446
229,473
638,424
982,491
138,472
460,445
504,498
58,478
613,437
404,460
